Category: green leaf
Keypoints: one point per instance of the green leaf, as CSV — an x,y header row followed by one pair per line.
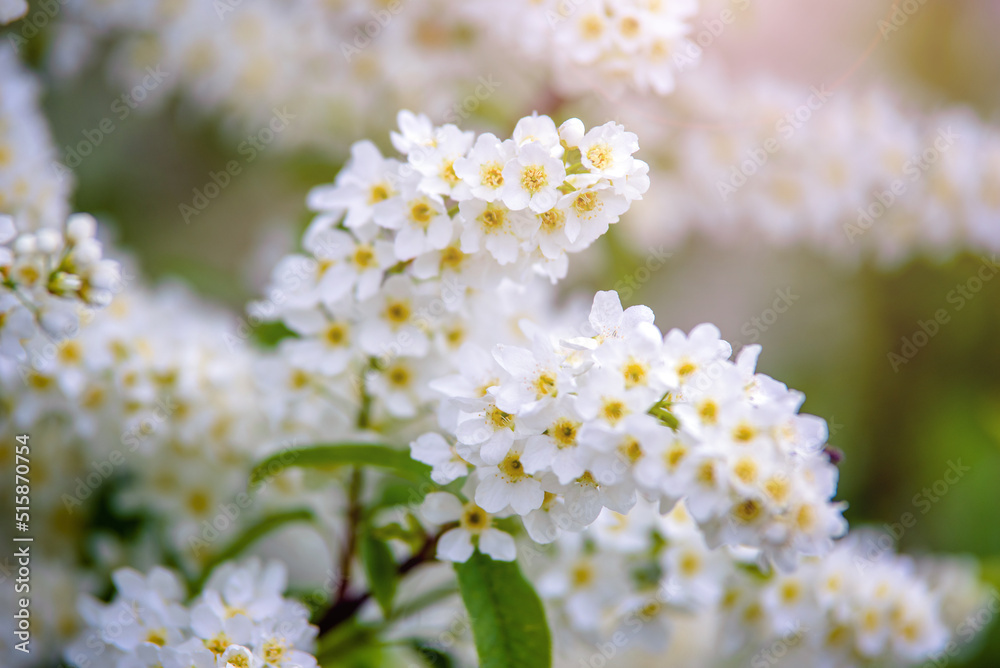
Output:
x,y
343,454
249,536
270,334
430,656
380,570
508,620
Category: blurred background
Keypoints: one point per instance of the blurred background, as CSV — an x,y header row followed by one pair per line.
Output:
x,y
900,424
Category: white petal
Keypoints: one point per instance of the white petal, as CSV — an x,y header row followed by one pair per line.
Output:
x,y
498,544
441,507
455,545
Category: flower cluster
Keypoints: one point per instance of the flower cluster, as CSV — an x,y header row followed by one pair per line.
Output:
x,y
853,174
461,206
47,276
612,45
409,259
644,575
849,607
30,189
149,406
320,58
559,430
240,620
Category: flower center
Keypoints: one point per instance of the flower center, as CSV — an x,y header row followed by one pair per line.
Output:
x,y
635,374
600,154
217,644
491,174
629,29
534,178
747,511
511,468
686,369
397,312
744,433
273,651
379,193
552,220
708,411
399,376
157,637
613,410
545,385
591,27
499,419
336,334
364,256
492,218
630,449
563,432
474,519
452,257
746,470
421,213
448,173
585,202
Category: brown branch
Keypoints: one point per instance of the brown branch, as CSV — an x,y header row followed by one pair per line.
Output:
x,y
345,606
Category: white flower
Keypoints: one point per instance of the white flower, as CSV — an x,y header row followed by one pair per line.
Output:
x,y
493,227
436,164
534,377
508,484
608,320
446,465
419,219
482,169
607,150
343,264
393,318
557,448
415,131
366,180
474,524
328,342
532,178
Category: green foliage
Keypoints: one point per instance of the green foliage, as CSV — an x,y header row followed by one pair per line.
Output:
x,y
343,454
508,620
380,570
249,536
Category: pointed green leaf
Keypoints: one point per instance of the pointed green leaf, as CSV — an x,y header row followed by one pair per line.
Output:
x,y
380,570
251,535
343,454
508,620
